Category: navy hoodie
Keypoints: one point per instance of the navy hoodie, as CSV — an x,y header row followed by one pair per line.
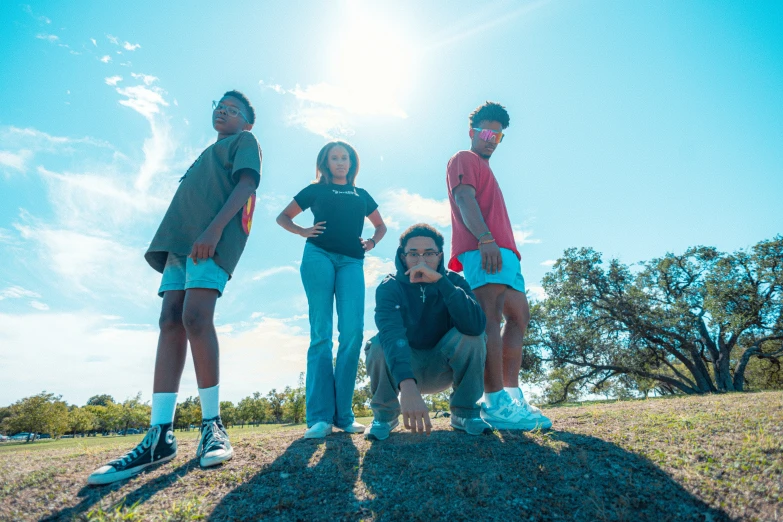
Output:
x,y
417,315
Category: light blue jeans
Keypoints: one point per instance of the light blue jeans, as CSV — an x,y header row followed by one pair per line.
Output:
x,y
325,275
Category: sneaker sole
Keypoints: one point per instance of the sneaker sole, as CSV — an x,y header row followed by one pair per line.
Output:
x,y
373,436
214,461
523,426
108,478
318,436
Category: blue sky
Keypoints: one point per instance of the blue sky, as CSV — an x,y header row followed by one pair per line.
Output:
x,y
637,128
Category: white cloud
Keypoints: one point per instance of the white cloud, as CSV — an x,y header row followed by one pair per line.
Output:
x,y
113,80
522,237
15,160
131,47
92,264
94,42
105,59
549,262
113,39
273,272
33,139
409,208
39,305
375,269
147,79
17,292
85,354
49,37
536,293
159,147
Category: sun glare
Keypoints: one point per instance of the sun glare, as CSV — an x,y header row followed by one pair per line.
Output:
x,y
373,63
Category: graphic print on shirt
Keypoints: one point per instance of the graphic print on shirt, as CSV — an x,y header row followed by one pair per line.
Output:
x,y
247,213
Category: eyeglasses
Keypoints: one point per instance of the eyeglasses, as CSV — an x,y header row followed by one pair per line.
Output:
x,y
425,255
228,109
489,135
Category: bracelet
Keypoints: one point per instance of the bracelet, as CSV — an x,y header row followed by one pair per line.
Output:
x,y
374,244
488,241
482,235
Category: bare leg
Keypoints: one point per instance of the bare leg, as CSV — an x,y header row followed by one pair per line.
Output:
x,y
517,314
491,297
198,317
172,344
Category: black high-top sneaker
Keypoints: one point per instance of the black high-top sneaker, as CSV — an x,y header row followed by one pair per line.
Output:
x,y
158,446
214,447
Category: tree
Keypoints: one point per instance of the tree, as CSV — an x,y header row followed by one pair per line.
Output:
x,y
295,402
42,413
133,414
100,400
362,395
228,413
81,420
276,401
252,409
188,414
680,320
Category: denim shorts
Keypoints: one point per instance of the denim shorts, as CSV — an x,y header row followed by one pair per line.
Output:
x,y
510,275
180,273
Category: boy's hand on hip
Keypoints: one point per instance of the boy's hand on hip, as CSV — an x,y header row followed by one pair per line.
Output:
x,y
491,260
204,247
415,414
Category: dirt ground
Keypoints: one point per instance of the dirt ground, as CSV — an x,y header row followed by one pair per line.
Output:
x,y
694,458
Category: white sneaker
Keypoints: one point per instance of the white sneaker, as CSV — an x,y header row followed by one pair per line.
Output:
x,y
508,414
535,413
380,430
319,430
353,428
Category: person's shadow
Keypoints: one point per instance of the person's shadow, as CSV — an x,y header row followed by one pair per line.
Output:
x,y
511,476
313,479
91,496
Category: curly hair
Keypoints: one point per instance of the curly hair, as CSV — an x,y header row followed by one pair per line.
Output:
x,y
422,230
241,97
322,172
490,111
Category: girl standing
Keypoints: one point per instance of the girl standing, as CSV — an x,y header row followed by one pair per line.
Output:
x,y
332,267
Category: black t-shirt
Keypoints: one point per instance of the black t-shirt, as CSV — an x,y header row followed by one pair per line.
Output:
x,y
344,208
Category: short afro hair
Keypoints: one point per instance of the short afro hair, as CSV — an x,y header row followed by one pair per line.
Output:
x,y
490,111
422,230
241,97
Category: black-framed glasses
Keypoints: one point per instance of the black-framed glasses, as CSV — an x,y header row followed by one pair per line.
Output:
x,y
228,109
425,255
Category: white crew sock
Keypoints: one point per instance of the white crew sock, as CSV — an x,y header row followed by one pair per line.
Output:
x,y
163,406
491,399
210,401
515,393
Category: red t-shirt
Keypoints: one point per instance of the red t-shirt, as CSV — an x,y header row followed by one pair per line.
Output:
x,y
468,168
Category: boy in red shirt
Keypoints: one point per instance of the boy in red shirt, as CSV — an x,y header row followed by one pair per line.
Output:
x,y
483,247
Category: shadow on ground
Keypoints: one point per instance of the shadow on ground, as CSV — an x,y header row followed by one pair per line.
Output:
x,y
452,476
310,480
91,497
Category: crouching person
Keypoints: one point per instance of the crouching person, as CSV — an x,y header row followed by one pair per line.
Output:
x,y
430,337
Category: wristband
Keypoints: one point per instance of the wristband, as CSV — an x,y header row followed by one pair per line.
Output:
x,y
374,244
482,235
485,242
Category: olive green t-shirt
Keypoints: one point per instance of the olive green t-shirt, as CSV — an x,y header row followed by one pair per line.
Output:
x,y
202,192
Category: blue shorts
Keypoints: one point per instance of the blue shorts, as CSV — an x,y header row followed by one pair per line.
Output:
x,y
180,273
510,275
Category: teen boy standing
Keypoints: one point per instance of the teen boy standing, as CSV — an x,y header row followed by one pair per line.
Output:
x,y
483,246
196,248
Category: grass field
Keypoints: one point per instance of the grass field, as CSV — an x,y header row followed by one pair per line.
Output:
x,y
691,458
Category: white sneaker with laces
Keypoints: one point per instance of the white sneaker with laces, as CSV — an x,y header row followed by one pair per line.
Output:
x,y
355,427
508,414
380,430
319,430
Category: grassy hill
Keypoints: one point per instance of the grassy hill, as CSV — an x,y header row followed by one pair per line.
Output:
x,y
692,458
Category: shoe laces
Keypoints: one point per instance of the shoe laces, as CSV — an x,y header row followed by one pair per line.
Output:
x,y
150,442
211,435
